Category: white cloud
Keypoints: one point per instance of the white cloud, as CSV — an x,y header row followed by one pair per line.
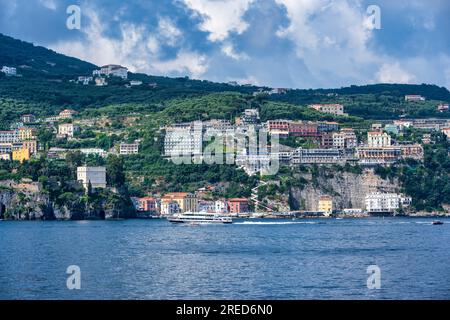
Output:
x,y
49,4
229,51
393,73
136,48
168,31
220,17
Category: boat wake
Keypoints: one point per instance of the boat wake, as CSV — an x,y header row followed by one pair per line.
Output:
x,y
274,222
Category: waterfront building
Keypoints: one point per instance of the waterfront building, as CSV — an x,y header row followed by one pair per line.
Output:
x,y
9,136
220,206
129,148
28,118
186,201
325,205
206,206
148,204
94,175
67,114
414,98
169,207
378,202
21,155
238,205
67,129
377,139
336,109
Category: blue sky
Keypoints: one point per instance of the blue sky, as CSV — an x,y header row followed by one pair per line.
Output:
x,y
279,43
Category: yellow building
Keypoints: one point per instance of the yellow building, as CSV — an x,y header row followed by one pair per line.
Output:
x,y
21,155
27,134
186,201
325,205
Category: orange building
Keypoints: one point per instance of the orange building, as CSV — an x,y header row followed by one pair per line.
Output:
x,y
238,205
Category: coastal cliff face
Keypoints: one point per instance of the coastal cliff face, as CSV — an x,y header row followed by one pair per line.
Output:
x,y
347,189
25,201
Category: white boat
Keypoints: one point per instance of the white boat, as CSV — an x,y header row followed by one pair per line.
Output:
x,y
199,218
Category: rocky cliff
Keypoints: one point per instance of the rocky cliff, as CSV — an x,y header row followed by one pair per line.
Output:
x,y
347,189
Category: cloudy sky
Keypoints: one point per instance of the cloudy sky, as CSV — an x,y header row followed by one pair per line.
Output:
x,y
279,43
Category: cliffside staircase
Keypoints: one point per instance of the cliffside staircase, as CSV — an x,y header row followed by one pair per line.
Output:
x,y
254,197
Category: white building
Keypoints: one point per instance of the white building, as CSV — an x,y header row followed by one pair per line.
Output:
x,y
169,208
129,148
9,71
376,139
9,136
135,83
112,70
85,80
67,129
414,97
95,175
184,141
220,206
94,151
336,109
378,202
345,139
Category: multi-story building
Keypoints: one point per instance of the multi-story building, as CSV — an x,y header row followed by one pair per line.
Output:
x,y
430,124
67,129
96,176
67,114
9,136
336,109
303,129
186,201
93,151
28,118
377,139
220,206
250,116
5,156
414,151
206,206
280,127
9,71
238,205
184,141
317,156
21,155
6,148
129,148
148,204
345,139
378,202
27,133
327,127
326,140
112,70
375,156
325,205
169,207
414,97
443,107
31,145
85,80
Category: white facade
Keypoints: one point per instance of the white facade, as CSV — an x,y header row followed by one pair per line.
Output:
x,y
336,109
9,136
9,71
67,129
184,141
386,202
345,139
112,70
94,151
95,175
414,97
129,148
220,206
169,208
378,139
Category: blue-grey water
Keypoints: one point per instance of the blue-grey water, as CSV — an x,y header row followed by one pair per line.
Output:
x,y
251,259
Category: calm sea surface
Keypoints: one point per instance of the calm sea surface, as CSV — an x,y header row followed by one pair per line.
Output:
x,y
251,259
